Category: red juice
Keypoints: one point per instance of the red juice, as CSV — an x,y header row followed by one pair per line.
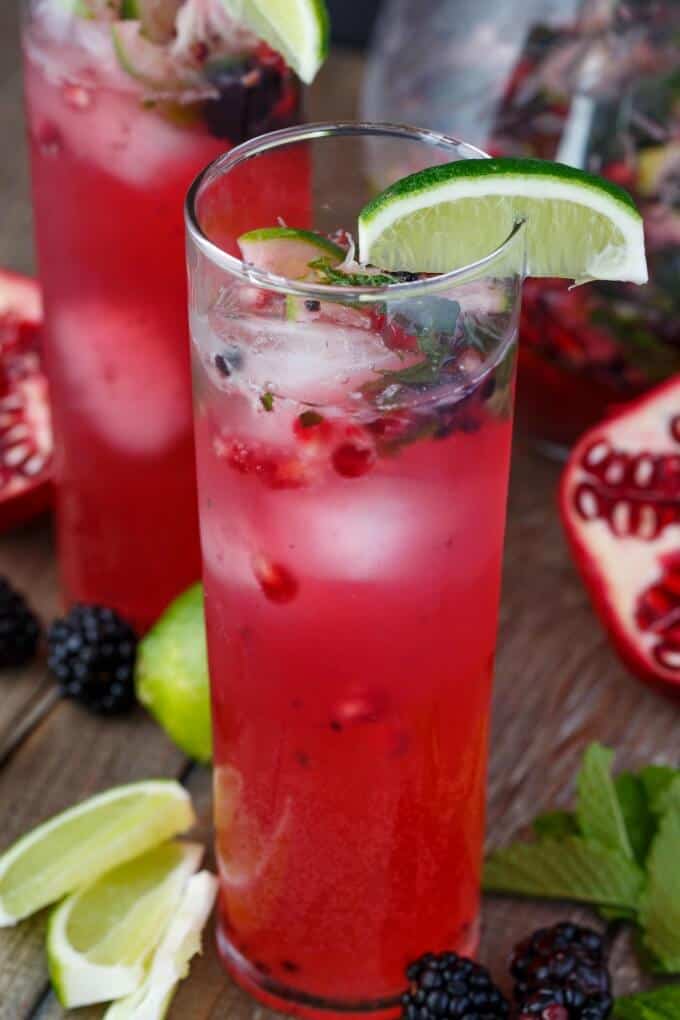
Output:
x,y
111,166
352,455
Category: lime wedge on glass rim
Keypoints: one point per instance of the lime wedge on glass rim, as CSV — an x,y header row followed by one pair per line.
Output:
x,y
577,226
170,963
297,29
79,845
100,938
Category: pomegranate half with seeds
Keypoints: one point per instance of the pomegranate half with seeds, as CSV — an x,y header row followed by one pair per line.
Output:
x,y
620,503
25,430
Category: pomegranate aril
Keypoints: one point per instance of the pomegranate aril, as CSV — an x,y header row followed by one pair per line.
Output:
x,y
352,460
277,582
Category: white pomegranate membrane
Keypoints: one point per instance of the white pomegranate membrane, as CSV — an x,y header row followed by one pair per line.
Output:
x,y
621,507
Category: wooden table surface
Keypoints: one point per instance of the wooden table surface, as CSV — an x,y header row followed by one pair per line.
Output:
x,y
558,684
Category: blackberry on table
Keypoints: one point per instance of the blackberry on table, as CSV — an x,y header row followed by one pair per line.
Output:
x,y
91,654
448,985
19,627
561,974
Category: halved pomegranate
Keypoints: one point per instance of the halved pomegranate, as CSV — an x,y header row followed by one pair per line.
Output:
x,y
620,503
25,431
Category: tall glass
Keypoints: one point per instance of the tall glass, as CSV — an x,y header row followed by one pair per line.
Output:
x,y
113,152
353,448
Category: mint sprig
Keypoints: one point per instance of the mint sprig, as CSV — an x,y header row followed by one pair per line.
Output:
x,y
660,1004
598,811
619,851
660,906
567,868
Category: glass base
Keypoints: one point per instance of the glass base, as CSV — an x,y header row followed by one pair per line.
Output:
x,y
294,1002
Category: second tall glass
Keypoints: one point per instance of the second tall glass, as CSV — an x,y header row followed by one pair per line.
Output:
x,y
353,447
113,151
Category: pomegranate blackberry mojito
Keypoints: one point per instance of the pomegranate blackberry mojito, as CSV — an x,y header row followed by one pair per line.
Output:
x,y
118,127
601,91
353,438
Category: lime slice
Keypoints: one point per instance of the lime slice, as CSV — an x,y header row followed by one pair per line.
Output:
x,y
99,939
287,251
297,29
577,226
170,963
171,674
82,843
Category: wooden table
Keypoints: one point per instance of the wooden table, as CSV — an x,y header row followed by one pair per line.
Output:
x,y
558,685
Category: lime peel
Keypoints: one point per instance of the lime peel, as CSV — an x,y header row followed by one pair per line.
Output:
x,y
80,977
297,29
448,216
158,810
170,963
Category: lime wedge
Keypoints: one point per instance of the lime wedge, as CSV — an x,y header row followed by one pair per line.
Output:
x,y
171,674
287,251
99,939
170,963
82,843
577,226
297,29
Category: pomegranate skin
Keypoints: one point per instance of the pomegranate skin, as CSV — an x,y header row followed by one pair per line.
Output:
x,y
619,500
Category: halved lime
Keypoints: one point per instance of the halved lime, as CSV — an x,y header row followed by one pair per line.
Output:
x,y
99,939
79,845
171,674
578,226
297,29
170,963
287,251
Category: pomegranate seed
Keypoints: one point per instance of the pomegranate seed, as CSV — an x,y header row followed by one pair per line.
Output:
x,y
351,460
275,580
675,428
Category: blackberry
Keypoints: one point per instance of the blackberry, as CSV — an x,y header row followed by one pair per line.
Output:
x,y
449,985
91,653
561,974
19,627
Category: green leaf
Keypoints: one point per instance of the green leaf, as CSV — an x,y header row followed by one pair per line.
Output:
x,y
598,810
328,273
267,401
660,904
657,779
569,868
555,824
660,1004
640,823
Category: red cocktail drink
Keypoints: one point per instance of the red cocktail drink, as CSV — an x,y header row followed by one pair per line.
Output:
x,y
113,153
353,450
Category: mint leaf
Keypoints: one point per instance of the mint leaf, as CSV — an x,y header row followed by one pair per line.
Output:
x,y
660,904
657,779
556,824
569,868
326,268
598,811
640,823
660,1004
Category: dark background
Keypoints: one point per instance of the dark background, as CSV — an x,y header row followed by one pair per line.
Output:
x,y
352,20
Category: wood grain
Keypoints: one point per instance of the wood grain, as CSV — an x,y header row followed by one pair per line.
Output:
x,y
558,683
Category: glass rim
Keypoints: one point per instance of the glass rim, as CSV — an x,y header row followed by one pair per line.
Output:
x,y
309,132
